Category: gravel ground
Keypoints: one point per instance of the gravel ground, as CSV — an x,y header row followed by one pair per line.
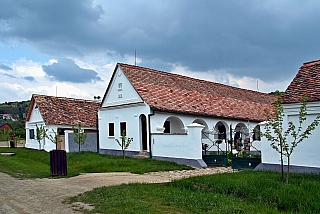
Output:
x,y
46,195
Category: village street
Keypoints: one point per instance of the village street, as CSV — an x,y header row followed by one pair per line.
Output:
x,y
46,195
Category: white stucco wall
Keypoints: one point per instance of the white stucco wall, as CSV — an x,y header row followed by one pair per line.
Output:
x,y
186,146
129,114
46,144
120,95
306,153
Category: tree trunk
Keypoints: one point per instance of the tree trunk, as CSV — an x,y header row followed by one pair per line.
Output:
x,y
288,171
281,161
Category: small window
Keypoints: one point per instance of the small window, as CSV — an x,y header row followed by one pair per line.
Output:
x,y
119,86
123,128
31,133
119,95
111,130
166,127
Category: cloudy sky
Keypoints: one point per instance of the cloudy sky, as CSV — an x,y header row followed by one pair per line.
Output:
x,y
70,48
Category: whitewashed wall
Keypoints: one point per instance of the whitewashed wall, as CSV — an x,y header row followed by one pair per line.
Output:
x,y
306,153
186,146
46,144
130,115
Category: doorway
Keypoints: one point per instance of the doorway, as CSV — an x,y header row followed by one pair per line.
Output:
x,y
144,135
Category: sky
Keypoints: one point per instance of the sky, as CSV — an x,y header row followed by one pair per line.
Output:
x,y
70,48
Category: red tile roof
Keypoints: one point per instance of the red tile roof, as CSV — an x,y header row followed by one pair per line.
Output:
x,y
65,111
307,80
177,93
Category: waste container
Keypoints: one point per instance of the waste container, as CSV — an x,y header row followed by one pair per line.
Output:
x,y
12,144
58,163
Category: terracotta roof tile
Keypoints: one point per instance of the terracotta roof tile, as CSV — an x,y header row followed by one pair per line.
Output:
x,y
65,111
306,81
173,92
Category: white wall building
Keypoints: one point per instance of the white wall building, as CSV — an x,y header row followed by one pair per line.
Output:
x,y
171,117
305,157
58,114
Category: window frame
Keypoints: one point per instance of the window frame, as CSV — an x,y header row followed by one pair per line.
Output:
x,y
123,126
111,130
31,134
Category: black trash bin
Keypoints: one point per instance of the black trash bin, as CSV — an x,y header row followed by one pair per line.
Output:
x,y
12,144
58,163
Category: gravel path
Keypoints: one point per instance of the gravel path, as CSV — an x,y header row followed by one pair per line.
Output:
x,y
46,195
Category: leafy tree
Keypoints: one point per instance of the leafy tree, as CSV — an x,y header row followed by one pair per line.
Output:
x,y
124,142
79,135
41,134
285,141
6,135
17,140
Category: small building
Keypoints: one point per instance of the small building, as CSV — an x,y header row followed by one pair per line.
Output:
x,y
7,117
178,118
305,157
5,126
60,114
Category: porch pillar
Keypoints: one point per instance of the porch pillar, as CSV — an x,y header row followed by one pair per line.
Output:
x,y
195,135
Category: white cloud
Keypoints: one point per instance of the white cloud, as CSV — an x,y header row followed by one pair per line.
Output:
x,y
223,77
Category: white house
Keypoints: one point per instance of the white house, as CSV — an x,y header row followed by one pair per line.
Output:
x,y
305,157
60,114
171,117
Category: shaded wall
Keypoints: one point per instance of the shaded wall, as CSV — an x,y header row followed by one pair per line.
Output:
x,y
89,145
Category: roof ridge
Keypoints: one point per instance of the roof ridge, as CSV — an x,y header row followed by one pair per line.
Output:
x,y
65,98
310,63
192,78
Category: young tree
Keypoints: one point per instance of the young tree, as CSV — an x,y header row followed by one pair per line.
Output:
x,y
124,142
41,134
79,135
285,141
6,136
17,140
54,138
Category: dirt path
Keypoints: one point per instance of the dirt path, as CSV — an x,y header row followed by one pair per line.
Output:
x,y
46,195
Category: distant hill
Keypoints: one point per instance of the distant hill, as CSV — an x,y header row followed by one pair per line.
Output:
x,y
16,112
15,108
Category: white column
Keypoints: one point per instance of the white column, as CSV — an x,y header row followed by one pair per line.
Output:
x,y
195,134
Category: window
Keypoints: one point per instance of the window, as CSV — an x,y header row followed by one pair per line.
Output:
x,y
31,133
123,128
166,127
111,130
119,86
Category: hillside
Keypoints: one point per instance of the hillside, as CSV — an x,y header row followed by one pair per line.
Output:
x,y
16,114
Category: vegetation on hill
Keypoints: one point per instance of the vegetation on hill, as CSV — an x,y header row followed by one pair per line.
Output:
x,y
18,111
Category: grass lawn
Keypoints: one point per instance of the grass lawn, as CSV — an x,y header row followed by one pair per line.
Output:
x,y
243,192
29,163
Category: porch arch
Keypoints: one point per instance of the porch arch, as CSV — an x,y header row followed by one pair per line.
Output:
x,y
241,137
220,130
173,125
205,129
